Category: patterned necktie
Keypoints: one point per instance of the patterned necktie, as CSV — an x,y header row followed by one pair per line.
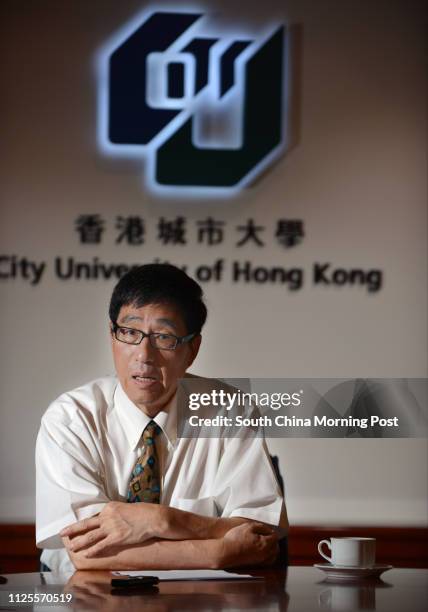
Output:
x,y
144,485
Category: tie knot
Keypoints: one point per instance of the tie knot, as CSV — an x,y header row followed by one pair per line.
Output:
x,y
151,430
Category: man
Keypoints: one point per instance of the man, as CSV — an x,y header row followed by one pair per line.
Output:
x,y
203,502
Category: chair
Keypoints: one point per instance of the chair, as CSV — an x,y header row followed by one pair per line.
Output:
x,y
283,542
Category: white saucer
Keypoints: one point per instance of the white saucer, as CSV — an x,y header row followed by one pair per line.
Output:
x,y
335,572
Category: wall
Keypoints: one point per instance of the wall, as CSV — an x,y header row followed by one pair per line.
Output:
x,y
356,176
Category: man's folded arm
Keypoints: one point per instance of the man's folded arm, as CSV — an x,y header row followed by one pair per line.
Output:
x,y
121,524
246,544
183,525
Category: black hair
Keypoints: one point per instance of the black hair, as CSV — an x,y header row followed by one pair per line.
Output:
x,y
160,284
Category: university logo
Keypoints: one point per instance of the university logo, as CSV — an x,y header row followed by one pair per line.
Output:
x,y
204,108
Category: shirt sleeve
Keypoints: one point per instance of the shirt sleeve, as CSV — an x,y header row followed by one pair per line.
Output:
x,y
246,485
69,476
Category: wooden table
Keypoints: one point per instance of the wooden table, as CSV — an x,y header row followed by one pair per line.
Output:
x,y
299,589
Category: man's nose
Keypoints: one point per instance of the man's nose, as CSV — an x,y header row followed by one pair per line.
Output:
x,y
145,351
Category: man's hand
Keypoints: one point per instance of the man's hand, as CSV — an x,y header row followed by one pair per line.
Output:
x,y
249,544
118,525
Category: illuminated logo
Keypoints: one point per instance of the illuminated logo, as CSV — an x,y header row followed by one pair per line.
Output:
x,y
203,107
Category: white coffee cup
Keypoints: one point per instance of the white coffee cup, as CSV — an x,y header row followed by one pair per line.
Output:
x,y
350,552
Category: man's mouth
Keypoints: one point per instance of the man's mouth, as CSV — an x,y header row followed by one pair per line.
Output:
x,y
145,381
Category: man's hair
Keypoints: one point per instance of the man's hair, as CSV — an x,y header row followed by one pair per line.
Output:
x,y
160,284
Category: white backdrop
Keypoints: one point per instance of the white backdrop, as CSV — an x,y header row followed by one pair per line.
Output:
x,y
357,179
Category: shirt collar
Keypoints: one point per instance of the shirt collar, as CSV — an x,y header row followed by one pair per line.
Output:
x,y
134,421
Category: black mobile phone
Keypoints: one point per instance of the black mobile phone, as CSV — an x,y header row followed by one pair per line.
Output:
x,y
134,581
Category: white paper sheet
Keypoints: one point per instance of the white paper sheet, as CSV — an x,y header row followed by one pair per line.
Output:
x,y
190,575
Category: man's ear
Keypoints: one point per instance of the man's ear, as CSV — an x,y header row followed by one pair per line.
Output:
x,y
194,345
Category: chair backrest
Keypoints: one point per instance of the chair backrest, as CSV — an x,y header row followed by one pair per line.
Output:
x,y
275,463
283,543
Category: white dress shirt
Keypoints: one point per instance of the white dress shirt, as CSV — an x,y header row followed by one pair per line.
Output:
x,y
87,446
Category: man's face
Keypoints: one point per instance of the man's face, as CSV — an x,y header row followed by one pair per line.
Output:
x,y
148,375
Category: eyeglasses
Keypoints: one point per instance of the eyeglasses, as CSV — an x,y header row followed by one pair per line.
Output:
x,y
165,342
